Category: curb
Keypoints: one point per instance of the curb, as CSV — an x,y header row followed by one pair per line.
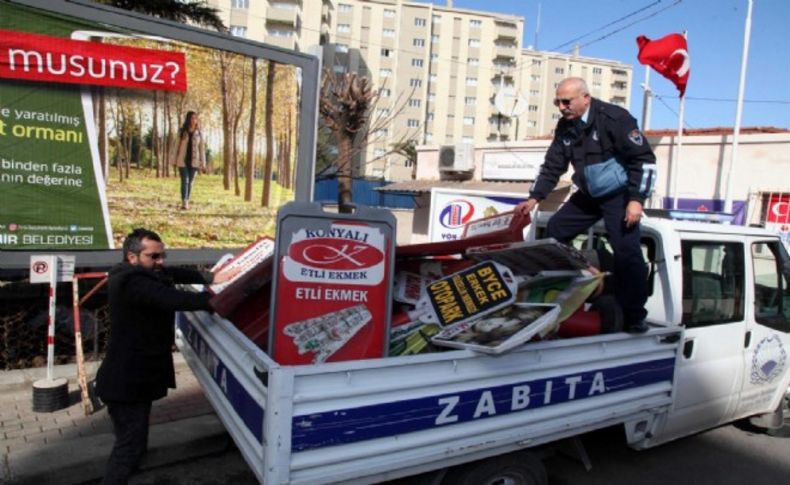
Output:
x,y
23,379
68,464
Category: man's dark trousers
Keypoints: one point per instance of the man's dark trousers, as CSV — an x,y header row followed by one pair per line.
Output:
x,y
130,423
630,272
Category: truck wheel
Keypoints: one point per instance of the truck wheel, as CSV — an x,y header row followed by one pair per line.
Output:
x,y
519,468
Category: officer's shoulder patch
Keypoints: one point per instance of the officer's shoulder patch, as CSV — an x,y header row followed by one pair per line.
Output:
x,y
636,137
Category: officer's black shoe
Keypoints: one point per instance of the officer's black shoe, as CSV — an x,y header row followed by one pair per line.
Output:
x,y
638,327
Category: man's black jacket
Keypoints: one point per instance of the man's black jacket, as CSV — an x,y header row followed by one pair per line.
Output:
x,y
139,365
610,132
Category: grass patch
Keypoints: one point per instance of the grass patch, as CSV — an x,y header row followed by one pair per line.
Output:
x,y
216,218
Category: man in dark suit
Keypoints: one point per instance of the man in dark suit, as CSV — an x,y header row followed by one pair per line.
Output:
x,y
138,367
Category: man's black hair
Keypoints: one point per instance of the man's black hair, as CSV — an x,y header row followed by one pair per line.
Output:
x,y
134,241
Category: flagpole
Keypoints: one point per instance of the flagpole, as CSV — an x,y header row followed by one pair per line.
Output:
x,y
747,31
676,152
678,145
646,101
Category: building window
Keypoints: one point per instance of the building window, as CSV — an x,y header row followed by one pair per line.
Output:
x,y
412,123
389,13
470,100
535,77
385,92
388,33
469,120
532,123
597,70
379,152
437,19
418,42
559,70
434,57
419,22
533,107
238,31
471,81
596,84
382,112
339,68
385,72
386,52
474,42
473,61
475,24
618,72
415,83
428,137
434,39
344,8
429,116
344,28
431,99
555,116
341,48
414,102
534,92
416,62
467,139
245,4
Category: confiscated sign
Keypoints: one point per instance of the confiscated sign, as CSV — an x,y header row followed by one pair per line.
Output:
x,y
42,266
333,284
472,293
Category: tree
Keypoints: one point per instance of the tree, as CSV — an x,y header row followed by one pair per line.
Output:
x,y
250,167
408,150
196,12
346,107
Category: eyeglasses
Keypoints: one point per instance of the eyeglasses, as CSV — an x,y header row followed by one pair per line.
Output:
x,y
155,256
563,101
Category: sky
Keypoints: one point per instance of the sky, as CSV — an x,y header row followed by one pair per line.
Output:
x,y
715,40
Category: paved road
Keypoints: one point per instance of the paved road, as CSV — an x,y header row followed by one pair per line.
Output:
x,y
727,455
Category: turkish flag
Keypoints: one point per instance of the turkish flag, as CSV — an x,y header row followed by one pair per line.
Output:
x,y
778,208
669,56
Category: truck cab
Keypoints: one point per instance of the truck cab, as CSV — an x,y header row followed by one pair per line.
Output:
x,y
727,287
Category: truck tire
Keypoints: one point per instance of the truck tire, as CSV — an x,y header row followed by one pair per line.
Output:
x,y
519,468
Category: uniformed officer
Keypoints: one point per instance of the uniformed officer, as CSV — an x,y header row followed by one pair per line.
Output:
x,y
614,170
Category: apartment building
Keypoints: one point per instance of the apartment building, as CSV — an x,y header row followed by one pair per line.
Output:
x,y
439,68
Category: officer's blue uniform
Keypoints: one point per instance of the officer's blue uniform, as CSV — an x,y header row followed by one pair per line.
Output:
x,y
609,132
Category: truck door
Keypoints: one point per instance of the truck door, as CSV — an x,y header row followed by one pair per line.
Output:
x,y
710,367
767,330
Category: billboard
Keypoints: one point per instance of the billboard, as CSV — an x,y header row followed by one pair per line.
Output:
x,y
94,138
452,209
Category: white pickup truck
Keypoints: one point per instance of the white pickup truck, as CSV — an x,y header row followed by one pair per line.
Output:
x,y
719,311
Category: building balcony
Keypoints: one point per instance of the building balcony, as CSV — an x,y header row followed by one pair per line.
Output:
x,y
506,31
284,42
281,15
505,51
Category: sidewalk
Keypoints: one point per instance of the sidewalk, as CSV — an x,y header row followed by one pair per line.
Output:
x,y
66,447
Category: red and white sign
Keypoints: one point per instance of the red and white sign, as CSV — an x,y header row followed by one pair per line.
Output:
x,y
35,57
778,208
332,294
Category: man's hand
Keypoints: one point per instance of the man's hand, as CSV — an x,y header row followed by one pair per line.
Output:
x,y
226,275
633,213
526,206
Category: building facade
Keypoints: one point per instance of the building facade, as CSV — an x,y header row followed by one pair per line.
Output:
x,y
439,69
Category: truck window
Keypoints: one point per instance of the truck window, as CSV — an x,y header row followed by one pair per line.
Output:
x,y
598,250
712,283
771,289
